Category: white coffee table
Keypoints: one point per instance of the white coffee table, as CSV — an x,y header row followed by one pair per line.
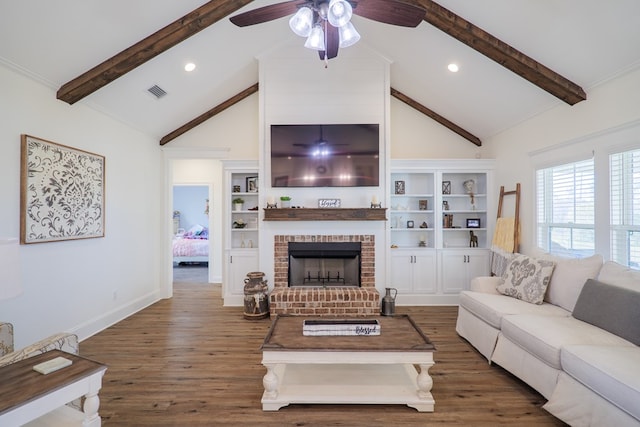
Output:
x,y
347,369
32,399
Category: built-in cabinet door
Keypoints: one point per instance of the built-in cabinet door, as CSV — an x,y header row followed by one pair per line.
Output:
x,y
413,271
240,262
424,272
402,270
459,266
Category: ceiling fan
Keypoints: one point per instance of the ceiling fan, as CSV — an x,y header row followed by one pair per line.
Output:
x,y
327,24
319,144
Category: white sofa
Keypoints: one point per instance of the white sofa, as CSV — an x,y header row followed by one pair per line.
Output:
x,y
62,341
588,369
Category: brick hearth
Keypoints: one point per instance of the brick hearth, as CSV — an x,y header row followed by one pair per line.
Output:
x,y
330,301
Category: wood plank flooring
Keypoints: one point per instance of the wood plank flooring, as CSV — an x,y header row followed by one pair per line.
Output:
x,y
189,361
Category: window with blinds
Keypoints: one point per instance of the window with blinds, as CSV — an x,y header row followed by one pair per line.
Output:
x,y
624,170
566,209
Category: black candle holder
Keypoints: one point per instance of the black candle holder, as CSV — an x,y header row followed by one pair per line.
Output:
x,y
272,206
376,205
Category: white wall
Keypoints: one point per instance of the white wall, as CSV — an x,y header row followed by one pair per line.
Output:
x,y
559,134
81,285
191,201
235,129
416,136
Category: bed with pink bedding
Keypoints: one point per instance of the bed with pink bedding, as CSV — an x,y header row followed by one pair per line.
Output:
x,y
192,246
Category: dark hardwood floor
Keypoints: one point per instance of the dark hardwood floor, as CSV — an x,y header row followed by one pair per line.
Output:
x,y
188,361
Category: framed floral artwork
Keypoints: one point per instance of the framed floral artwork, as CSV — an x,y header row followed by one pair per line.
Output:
x,y
61,192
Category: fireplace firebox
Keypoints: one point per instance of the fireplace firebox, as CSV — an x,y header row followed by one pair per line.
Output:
x,y
324,264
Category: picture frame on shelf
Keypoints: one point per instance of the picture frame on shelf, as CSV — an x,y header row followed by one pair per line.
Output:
x,y
399,187
71,211
252,184
423,205
446,187
410,224
473,222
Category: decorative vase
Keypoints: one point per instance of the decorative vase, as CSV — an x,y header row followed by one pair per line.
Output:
x,y
256,296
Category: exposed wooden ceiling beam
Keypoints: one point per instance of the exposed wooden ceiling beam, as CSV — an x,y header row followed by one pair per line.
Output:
x,y
148,48
206,116
435,116
502,53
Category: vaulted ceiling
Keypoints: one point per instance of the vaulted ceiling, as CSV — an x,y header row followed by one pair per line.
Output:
x,y
517,58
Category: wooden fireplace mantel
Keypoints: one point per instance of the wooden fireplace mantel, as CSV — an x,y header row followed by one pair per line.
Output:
x,y
325,214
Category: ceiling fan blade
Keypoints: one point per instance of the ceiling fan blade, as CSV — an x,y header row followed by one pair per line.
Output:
x,y
390,12
266,13
332,42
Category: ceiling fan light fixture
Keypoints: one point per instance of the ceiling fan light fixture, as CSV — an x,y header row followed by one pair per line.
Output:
x,y
340,12
302,22
348,35
315,40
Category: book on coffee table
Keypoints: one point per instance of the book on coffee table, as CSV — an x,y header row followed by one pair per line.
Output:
x,y
341,327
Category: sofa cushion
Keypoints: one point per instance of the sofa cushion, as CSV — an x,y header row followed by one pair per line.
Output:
x,y
619,275
568,278
612,308
526,278
6,338
492,308
612,372
544,336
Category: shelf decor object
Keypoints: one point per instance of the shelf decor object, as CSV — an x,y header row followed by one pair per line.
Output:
x,y
252,184
61,192
340,327
329,203
473,222
446,187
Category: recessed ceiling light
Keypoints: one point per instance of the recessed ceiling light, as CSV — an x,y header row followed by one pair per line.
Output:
x,y
190,66
453,67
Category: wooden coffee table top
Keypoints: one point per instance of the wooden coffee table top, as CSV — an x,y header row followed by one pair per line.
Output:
x,y
397,333
19,383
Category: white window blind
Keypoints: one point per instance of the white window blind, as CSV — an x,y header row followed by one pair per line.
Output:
x,y
625,207
566,209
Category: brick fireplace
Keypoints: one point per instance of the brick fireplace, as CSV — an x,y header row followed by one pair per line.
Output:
x,y
321,300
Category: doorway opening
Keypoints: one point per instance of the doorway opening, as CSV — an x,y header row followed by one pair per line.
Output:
x,y
191,234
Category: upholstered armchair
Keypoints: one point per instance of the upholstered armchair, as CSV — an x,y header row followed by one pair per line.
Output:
x,y
63,341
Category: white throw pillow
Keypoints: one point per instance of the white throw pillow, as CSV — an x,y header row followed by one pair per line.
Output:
x,y
616,274
569,276
526,279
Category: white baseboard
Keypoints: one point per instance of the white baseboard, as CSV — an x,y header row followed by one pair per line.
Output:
x,y
100,323
233,301
421,299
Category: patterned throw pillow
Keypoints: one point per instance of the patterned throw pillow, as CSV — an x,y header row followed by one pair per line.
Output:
x,y
526,279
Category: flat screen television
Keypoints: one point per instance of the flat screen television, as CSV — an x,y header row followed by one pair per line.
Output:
x,y
325,155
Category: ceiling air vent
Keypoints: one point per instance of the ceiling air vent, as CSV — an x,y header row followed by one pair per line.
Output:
x,y
157,91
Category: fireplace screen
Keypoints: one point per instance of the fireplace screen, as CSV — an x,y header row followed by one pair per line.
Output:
x,y
324,264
